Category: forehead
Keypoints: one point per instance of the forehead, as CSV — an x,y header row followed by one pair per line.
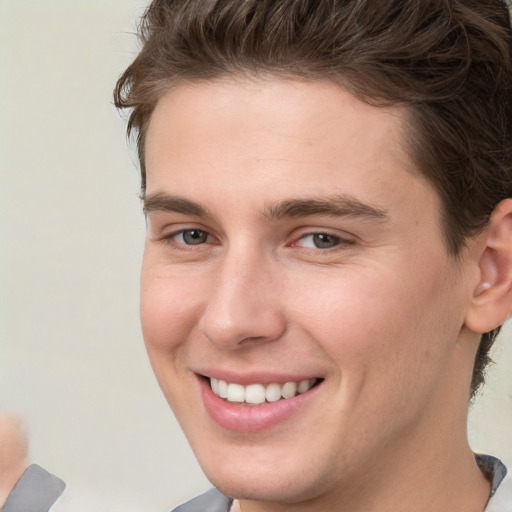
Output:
x,y
277,116
275,138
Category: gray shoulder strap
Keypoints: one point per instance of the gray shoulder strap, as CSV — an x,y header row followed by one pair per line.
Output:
x,y
36,491
211,501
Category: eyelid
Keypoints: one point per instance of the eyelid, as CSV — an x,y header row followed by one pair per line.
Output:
x,y
169,237
343,243
160,223
170,233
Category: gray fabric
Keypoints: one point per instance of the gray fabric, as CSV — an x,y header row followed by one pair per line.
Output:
x,y
493,469
36,491
211,501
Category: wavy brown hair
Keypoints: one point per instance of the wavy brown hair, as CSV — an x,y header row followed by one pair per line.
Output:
x,y
448,61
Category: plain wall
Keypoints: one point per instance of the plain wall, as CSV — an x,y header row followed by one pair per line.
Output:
x,y
72,360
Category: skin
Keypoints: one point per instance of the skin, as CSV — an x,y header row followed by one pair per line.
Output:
x,y
13,453
385,315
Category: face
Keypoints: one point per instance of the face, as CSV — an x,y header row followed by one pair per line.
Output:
x,y
294,263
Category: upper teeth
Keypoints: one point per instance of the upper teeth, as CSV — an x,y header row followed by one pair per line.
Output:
x,y
258,393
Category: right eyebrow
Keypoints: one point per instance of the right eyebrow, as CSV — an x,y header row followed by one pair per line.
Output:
x,y
163,202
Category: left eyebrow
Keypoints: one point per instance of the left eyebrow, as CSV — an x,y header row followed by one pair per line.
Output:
x,y
333,206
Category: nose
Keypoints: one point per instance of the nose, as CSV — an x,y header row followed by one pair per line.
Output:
x,y
243,305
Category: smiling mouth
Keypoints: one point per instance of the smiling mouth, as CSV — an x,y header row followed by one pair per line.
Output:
x,y
257,394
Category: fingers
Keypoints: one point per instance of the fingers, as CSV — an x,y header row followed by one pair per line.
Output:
x,y
13,453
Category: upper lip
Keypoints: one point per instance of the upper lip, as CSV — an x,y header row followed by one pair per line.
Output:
x,y
253,377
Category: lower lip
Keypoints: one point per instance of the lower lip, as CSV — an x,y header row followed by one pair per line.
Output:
x,y
252,418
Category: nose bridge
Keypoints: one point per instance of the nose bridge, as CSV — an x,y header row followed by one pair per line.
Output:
x,y
243,304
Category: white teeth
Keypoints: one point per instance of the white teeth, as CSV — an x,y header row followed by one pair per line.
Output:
x,y
273,392
304,385
255,394
236,393
289,390
222,388
258,393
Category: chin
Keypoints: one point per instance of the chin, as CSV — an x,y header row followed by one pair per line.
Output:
x,y
261,489
277,482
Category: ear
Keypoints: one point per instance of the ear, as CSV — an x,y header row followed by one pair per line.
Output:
x,y
491,302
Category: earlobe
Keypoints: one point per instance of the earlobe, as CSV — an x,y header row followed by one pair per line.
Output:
x,y
491,302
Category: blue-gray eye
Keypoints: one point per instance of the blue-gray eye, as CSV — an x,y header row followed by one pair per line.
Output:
x,y
194,236
325,241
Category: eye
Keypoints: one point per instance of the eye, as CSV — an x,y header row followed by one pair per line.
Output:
x,y
320,241
192,237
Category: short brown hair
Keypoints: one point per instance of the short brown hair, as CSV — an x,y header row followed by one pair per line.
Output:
x,y
448,61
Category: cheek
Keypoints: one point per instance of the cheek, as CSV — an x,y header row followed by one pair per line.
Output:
x,y
169,306
167,317
382,325
358,309
161,316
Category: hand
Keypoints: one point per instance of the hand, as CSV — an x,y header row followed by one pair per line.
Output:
x,y
13,453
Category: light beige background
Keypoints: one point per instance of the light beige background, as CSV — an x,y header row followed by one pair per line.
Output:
x,y
72,360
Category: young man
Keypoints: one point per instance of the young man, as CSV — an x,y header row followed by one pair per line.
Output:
x,y
329,246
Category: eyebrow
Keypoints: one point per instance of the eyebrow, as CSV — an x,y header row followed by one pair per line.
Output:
x,y
333,206
162,202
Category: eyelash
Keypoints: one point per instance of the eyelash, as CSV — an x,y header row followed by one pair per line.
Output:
x,y
337,240
172,237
